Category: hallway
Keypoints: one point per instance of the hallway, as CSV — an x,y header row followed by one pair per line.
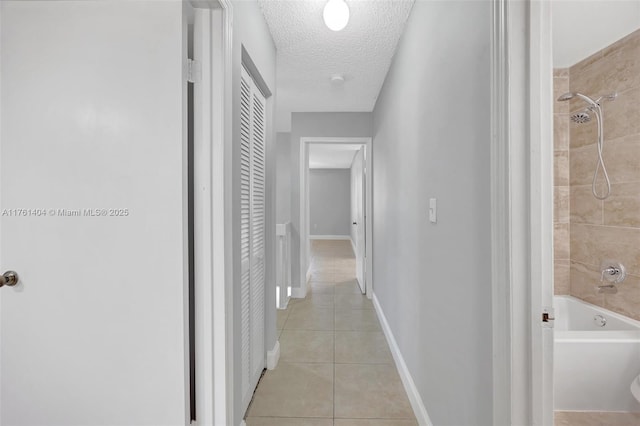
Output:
x,y
335,366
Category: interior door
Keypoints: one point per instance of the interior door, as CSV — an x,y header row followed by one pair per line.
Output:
x,y
252,235
359,220
92,178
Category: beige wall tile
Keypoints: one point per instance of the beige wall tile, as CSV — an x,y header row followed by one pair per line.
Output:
x,y
561,132
561,277
607,229
621,115
582,134
623,72
582,164
585,63
622,208
561,204
585,208
561,241
627,300
561,168
584,281
592,244
561,72
622,158
560,86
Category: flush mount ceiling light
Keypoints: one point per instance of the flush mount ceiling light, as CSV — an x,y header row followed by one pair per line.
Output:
x,y
337,79
336,14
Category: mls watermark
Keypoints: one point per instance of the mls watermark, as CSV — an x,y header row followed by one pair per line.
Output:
x,y
84,212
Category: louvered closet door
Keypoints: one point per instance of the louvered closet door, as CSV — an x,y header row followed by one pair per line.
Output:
x,y
252,234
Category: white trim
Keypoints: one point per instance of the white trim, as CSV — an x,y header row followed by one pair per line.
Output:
x,y
521,185
329,237
298,292
541,210
500,217
273,356
203,234
304,206
415,399
353,245
221,185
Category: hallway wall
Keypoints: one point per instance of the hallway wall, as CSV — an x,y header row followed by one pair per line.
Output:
x,y
317,124
283,177
250,32
431,139
330,202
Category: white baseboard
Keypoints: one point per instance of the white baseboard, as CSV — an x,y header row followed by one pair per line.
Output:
x,y
243,423
417,404
329,237
273,356
298,293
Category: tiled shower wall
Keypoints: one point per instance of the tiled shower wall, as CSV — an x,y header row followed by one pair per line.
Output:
x,y
609,229
561,184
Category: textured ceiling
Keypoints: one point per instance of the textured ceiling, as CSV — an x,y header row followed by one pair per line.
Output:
x,y
309,53
332,156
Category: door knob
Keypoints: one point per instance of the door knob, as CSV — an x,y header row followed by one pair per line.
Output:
x,y
9,278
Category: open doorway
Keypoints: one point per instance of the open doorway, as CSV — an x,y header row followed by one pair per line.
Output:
x,y
596,364
324,163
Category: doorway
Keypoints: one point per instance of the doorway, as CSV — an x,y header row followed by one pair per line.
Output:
x,y
360,224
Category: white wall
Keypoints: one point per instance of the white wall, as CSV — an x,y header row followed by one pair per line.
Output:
x,y
251,32
317,124
330,201
283,177
583,27
431,139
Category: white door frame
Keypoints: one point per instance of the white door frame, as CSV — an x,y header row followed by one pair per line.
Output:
x,y
212,198
522,209
304,206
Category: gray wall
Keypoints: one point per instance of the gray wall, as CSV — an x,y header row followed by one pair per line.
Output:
x,y
251,32
283,177
317,124
431,139
330,201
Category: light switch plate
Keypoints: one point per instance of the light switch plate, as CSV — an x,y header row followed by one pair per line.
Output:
x,y
433,210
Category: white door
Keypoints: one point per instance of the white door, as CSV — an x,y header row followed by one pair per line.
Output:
x,y
252,228
358,178
91,195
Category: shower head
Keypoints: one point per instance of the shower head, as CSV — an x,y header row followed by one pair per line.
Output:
x,y
570,95
566,97
581,117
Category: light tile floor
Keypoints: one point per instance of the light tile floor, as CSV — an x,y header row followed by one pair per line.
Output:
x,y
595,418
335,366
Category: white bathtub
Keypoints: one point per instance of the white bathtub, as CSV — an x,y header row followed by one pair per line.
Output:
x,y
593,365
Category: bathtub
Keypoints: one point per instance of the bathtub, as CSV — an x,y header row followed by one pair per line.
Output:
x,y
594,365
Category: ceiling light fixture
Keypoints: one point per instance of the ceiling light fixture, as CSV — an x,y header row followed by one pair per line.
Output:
x,y
336,14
